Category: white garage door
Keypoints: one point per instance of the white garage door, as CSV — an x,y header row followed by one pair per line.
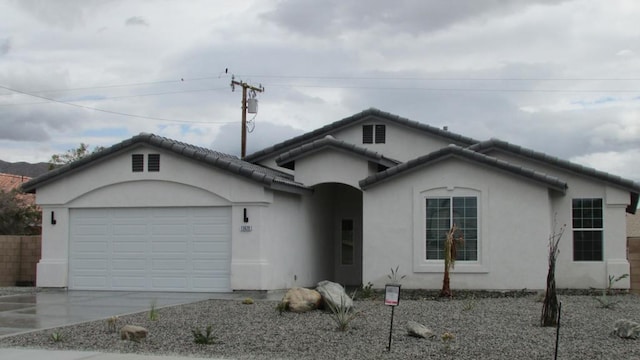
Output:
x,y
150,249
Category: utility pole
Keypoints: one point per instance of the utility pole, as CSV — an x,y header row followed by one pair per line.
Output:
x,y
254,90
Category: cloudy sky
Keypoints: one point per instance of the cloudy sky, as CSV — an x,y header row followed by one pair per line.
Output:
x,y
561,77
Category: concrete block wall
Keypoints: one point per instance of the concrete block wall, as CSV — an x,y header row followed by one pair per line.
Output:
x,y
19,256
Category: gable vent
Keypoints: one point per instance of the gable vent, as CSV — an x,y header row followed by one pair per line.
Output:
x,y
380,134
367,134
137,162
154,163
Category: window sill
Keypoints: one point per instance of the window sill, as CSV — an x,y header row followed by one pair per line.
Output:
x,y
436,266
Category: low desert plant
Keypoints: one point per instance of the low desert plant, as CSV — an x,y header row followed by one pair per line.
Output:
x,y
366,291
342,315
111,324
470,304
604,300
447,339
393,276
248,301
56,337
203,339
153,312
282,307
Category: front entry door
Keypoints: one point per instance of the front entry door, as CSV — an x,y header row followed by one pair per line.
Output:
x,y
348,251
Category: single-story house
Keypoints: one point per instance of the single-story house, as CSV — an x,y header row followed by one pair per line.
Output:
x,y
346,202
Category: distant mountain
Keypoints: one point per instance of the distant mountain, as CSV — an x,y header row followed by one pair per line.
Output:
x,y
24,168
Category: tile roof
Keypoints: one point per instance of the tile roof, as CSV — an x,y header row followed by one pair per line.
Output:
x,y
458,151
9,182
288,157
626,184
266,176
362,116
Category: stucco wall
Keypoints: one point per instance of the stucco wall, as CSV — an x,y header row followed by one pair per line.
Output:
x,y
585,274
514,221
401,143
180,182
331,165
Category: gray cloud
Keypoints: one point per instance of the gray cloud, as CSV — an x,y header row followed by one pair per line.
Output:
x,y
65,14
5,46
264,134
136,21
328,17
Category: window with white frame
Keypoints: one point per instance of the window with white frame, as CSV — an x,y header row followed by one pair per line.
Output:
x,y
441,214
587,229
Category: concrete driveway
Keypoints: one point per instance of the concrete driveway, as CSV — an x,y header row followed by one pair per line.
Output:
x,y
48,309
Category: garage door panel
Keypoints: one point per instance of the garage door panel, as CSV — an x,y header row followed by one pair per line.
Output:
x,y
169,264
99,265
169,229
90,229
98,245
211,265
153,249
135,246
129,229
169,247
128,264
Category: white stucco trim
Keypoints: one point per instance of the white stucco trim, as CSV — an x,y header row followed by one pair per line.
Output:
x,y
420,263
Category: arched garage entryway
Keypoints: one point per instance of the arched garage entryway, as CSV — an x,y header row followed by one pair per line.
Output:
x,y
340,207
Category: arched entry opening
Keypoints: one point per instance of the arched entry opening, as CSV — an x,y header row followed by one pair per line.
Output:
x,y
341,212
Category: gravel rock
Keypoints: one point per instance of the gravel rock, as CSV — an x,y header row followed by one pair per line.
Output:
x,y
491,328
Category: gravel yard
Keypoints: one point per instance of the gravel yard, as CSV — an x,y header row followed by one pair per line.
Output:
x,y
484,328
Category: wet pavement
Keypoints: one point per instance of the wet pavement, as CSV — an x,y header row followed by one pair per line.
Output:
x,y
48,309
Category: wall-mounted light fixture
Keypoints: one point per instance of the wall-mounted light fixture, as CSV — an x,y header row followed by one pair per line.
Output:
x,y
245,218
53,218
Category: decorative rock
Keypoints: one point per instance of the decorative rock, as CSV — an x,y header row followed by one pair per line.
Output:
x,y
300,300
626,329
334,294
419,330
133,333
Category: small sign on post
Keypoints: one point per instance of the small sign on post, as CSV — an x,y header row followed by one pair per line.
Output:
x,y
391,298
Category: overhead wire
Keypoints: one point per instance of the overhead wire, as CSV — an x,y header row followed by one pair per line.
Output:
x,y
312,77
111,111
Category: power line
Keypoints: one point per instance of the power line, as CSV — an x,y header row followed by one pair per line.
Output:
x,y
452,89
334,77
113,112
432,78
122,85
122,96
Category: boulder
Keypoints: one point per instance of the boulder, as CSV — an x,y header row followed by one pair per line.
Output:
x,y
133,333
300,300
334,294
626,329
419,330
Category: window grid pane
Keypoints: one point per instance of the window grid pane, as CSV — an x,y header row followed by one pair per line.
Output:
x,y
441,214
587,229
